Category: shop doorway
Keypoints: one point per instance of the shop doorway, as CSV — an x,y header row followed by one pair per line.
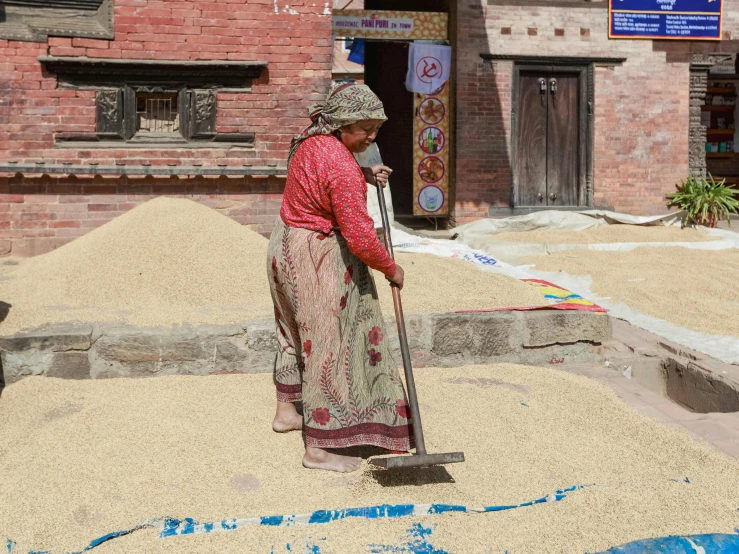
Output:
x,y
417,140
385,65
719,116
550,137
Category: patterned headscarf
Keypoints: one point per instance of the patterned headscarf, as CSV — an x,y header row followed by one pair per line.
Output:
x,y
345,104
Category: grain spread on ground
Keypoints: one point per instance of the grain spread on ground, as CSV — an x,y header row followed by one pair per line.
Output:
x,y
172,261
695,289
85,458
435,284
607,234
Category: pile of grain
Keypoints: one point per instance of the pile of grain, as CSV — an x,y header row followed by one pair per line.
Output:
x,y
434,284
606,234
163,263
696,289
172,261
83,458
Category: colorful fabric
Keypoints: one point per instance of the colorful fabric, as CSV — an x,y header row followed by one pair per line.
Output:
x,y
334,354
563,299
557,298
345,104
326,191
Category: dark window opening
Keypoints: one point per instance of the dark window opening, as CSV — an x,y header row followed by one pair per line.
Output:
x,y
157,113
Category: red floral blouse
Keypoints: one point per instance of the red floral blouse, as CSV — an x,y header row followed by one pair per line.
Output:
x,y
326,190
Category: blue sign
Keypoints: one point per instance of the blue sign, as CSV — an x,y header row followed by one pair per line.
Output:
x,y
665,19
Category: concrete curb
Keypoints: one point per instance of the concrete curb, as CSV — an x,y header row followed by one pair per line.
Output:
x,y
100,351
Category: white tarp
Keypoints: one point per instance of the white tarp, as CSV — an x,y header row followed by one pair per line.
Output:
x,y
550,220
480,235
724,348
366,159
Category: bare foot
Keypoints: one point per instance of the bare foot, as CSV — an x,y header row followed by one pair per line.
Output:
x,y
317,458
283,424
287,418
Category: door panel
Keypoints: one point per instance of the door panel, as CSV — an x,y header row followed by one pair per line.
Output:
x,y
531,156
563,151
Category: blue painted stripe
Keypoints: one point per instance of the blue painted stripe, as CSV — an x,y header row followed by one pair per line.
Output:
x,y
382,511
169,527
711,544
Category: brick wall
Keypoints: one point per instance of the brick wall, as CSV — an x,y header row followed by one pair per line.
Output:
x,y
43,213
39,213
641,107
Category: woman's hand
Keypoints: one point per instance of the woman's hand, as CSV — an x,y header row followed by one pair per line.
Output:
x,y
377,175
397,279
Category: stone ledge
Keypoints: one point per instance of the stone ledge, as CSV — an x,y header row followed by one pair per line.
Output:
x,y
443,340
689,377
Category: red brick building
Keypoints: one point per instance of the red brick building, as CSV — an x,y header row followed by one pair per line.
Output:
x,y
230,86
107,103
635,107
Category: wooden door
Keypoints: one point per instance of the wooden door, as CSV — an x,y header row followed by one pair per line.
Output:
x,y
563,152
531,161
549,164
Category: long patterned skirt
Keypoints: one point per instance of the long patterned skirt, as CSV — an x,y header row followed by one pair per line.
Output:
x,y
333,353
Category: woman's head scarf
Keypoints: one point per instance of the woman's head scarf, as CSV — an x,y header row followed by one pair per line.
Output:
x,y
345,104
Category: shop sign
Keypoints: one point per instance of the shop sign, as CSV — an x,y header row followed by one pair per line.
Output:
x,y
390,24
665,19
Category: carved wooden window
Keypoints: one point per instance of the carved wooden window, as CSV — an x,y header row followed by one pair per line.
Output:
x,y
156,115
152,101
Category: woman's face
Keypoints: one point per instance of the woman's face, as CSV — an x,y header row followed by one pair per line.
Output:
x,y
358,136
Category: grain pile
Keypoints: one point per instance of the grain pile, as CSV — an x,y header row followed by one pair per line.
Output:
x,y
695,289
83,458
166,262
171,261
606,234
434,284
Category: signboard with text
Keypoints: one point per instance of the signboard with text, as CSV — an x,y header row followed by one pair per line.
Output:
x,y
390,24
665,19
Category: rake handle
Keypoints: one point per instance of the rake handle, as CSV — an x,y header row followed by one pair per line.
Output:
x,y
404,351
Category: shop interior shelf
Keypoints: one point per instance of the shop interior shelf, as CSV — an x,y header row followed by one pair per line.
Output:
x,y
722,90
721,154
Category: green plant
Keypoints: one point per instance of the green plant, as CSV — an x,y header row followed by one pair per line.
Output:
x,y
705,200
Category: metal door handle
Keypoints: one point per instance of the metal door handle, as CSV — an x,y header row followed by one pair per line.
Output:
x,y
553,85
540,196
552,196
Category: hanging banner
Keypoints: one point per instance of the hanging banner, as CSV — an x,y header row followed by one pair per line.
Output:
x,y
431,153
390,24
429,67
665,19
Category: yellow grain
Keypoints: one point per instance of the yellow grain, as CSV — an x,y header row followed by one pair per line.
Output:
x,y
80,459
171,262
695,289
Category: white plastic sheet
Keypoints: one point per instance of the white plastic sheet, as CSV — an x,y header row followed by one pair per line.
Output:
x,y
724,348
557,220
480,235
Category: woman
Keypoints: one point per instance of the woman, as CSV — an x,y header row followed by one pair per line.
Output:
x,y
334,355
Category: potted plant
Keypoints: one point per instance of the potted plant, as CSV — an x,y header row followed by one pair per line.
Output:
x,y
705,200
